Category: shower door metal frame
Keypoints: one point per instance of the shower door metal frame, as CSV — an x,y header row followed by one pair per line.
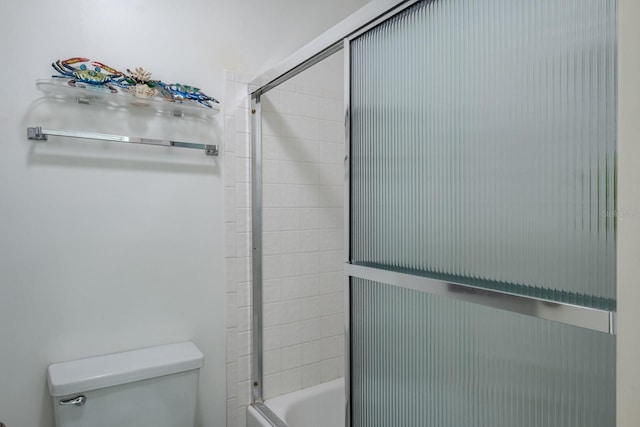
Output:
x,y
334,40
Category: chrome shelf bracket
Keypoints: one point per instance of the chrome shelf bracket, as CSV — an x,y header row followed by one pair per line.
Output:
x,y
36,134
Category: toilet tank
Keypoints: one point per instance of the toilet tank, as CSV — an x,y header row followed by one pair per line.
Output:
x,y
151,387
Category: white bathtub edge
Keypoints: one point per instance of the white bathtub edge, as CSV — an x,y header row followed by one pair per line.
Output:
x,y
282,405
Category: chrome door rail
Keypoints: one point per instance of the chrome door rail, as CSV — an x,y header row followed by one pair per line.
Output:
x,y
330,50
584,317
347,230
326,44
256,252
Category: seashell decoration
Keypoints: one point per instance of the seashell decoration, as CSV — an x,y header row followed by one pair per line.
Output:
x,y
144,85
144,91
140,75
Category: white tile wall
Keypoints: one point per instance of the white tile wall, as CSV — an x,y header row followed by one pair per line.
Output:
x,y
303,184
303,151
238,246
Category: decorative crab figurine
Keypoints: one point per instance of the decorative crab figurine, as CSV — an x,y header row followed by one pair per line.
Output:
x,y
101,75
178,92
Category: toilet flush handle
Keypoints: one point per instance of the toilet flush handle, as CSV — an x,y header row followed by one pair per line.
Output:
x,y
76,401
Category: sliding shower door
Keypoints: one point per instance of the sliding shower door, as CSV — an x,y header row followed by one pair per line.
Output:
x,y
482,167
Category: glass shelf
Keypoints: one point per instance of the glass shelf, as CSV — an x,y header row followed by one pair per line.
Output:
x,y
88,94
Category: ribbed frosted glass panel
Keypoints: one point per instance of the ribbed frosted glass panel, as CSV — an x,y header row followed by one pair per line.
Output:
x,y
483,145
426,361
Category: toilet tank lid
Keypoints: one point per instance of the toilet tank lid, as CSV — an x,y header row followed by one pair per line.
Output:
x,y
114,369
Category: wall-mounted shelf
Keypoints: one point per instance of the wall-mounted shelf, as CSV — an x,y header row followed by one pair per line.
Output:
x,y
89,94
119,98
41,134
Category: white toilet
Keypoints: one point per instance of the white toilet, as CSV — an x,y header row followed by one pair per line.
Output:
x,y
151,387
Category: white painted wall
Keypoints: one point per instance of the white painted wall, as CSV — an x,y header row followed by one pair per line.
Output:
x,y
106,247
628,269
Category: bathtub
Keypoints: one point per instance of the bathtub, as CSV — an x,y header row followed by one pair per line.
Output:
x,y
319,406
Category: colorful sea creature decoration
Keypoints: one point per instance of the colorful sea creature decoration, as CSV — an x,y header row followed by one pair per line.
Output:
x,y
100,75
178,92
137,82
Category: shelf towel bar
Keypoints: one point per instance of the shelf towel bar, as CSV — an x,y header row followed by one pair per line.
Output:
x,y
41,134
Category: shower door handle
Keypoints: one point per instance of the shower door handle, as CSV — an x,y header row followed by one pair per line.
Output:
x,y
76,401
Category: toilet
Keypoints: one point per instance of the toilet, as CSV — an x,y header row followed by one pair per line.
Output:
x,y
150,387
